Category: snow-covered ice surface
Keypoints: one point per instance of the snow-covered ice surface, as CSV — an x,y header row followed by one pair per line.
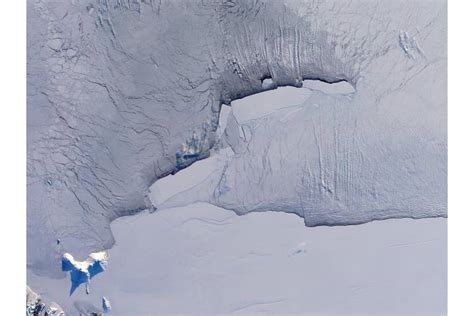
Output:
x,y
122,93
302,116
201,259
197,258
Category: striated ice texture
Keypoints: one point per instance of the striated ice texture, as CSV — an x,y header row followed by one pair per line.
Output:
x,y
122,93
277,153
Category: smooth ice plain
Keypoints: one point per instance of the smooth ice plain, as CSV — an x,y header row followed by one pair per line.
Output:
x,y
201,259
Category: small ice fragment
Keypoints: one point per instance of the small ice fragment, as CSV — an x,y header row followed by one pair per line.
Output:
x,y
409,45
300,248
268,83
106,306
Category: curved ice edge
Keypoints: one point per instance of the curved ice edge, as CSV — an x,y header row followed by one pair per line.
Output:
x,y
329,81
329,86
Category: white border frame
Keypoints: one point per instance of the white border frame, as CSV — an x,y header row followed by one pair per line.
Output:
x,y
461,157
13,157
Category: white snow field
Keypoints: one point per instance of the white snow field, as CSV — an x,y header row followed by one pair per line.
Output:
x,y
204,260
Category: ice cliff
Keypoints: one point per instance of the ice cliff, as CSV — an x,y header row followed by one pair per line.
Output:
x,y
122,93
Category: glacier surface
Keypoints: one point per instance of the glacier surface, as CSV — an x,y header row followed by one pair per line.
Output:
x,y
122,93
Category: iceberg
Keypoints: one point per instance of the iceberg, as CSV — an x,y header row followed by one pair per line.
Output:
x,y
84,271
106,306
